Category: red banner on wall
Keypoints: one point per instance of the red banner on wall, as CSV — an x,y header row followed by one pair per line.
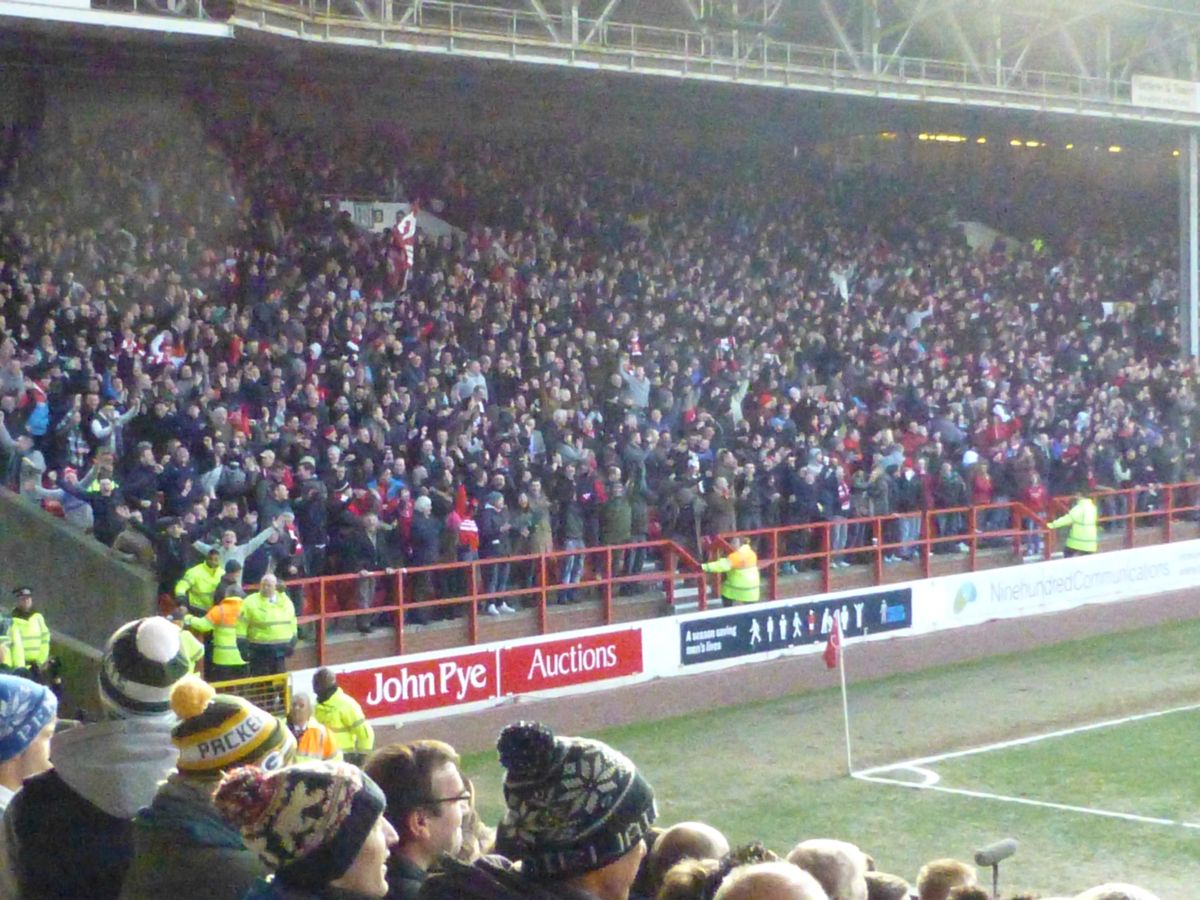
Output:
x,y
398,688
553,664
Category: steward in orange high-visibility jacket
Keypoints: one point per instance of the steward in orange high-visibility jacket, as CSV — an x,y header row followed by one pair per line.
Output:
x,y
314,742
741,573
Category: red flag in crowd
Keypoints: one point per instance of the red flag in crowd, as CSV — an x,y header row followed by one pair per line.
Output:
x,y
400,252
833,647
402,239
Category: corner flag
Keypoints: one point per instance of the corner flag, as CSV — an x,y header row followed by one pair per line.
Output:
x,y
833,648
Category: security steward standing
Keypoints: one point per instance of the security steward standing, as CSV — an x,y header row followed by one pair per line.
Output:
x,y
30,629
270,627
198,584
224,620
1083,538
341,714
740,584
314,742
12,650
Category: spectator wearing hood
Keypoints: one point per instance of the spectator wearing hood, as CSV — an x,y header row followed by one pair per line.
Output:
x,y
69,832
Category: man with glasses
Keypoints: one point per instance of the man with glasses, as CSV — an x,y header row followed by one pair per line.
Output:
x,y
426,801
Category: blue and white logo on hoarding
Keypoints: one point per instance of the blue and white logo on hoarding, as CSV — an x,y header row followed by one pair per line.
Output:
x,y
755,629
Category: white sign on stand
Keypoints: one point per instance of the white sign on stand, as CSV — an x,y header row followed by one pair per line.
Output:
x,y
1166,93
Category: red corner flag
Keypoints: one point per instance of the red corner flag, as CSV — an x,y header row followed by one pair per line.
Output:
x,y
833,648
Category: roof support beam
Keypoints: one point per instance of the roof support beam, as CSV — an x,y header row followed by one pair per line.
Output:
x,y
1073,51
835,25
544,18
917,15
602,20
693,10
964,43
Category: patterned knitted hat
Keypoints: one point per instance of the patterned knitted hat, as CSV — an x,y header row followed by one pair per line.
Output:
x,y
142,662
25,709
574,805
306,822
218,732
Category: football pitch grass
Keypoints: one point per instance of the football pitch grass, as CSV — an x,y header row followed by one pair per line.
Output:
x,y
1083,752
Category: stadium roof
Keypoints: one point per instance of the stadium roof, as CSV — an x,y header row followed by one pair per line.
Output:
x,y
1092,39
951,58
1084,37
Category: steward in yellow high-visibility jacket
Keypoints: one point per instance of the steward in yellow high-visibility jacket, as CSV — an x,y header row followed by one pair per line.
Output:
x,y
12,651
29,627
198,584
341,714
270,627
228,628
1083,536
741,574
193,649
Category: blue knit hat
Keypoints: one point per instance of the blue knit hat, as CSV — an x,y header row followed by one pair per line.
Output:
x,y
26,707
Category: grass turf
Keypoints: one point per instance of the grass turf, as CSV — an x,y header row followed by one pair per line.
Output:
x,y
775,771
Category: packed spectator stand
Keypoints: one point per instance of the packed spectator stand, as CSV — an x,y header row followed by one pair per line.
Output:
x,y
617,346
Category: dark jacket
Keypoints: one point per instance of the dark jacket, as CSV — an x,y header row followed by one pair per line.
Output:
x,y
491,878
722,513
426,538
493,540
268,890
404,879
182,849
69,831
616,520
359,553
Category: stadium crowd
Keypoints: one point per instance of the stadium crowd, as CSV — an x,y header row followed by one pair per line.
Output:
x,y
196,350
186,793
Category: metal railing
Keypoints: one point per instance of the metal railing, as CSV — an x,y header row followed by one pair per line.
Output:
x,y
272,693
964,536
687,50
960,531
464,590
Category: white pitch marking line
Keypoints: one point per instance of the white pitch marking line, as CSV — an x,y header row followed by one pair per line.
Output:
x,y
1045,804
1032,739
930,779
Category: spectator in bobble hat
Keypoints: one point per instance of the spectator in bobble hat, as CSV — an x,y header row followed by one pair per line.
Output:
x,y
69,832
318,826
182,847
28,712
577,815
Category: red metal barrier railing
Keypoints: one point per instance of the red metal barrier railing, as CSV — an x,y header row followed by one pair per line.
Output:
x,y
464,589
940,532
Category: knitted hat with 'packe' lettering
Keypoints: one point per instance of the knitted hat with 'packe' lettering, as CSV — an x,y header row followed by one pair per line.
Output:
x,y
219,732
